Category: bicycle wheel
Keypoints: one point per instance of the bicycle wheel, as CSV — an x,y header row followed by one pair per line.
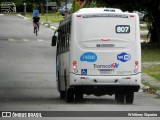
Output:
x,y
36,30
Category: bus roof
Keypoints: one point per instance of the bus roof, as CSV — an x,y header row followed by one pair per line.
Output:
x,y
98,10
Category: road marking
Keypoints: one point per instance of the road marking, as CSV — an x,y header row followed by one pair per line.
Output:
x,y
40,40
26,40
11,39
1,14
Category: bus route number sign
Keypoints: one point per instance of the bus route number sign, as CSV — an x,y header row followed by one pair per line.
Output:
x,y
122,29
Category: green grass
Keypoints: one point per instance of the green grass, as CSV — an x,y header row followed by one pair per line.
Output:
x,y
143,28
150,54
153,70
52,17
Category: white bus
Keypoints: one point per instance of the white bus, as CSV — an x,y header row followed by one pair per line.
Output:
x,y
99,53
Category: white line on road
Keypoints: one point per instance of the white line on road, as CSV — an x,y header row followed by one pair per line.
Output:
x,y
40,40
11,39
26,40
1,14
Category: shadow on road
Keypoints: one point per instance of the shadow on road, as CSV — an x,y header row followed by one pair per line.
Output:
x,y
55,100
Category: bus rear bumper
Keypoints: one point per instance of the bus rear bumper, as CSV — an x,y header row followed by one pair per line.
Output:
x,y
105,80
99,90
100,85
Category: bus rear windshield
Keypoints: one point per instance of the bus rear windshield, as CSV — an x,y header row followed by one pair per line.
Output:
x,y
89,28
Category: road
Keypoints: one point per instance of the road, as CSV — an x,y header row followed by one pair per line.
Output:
x,y
27,75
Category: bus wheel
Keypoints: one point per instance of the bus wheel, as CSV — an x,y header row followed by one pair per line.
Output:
x,y
62,95
119,97
69,96
129,97
78,96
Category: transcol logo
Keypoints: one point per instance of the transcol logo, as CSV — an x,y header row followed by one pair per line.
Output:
x,y
113,65
124,57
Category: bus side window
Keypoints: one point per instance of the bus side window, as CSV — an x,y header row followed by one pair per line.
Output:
x,y
68,37
66,32
63,38
58,46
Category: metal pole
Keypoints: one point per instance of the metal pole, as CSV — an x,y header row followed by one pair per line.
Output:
x,y
25,8
47,12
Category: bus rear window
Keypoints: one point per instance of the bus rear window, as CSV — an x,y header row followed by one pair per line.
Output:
x,y
105,27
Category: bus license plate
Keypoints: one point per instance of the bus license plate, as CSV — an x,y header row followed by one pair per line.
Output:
x,y
106,71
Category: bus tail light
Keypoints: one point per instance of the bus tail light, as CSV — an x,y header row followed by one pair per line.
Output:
x,y
136,67
131,16
79,15
74,66
105,39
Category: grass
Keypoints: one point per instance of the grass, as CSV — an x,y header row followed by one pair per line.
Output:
x,y
143,28
150,53
153,71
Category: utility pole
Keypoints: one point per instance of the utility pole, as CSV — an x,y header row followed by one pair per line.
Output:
x,y
25,8
47,11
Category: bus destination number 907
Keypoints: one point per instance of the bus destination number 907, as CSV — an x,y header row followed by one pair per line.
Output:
x,y
122,29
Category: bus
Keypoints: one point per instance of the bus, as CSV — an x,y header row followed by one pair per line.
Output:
x,y
98,53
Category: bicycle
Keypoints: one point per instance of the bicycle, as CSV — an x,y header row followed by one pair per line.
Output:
x,y
36,28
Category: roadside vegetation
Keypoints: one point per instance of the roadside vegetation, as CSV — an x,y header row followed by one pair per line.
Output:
x,y
153,71
150,53
152,89
52,17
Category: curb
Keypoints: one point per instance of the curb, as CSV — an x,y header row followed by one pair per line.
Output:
x,y
144,88
151,81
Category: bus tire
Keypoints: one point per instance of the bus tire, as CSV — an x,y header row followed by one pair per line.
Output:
x,y
69,96
119,97
78,96
129,97
62,95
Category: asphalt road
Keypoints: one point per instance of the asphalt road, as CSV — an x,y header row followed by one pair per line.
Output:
x,y
27,75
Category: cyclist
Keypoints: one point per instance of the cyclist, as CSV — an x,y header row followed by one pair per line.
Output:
x,y
36,20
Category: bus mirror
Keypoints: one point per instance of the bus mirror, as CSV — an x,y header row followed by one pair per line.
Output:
x,y
54,40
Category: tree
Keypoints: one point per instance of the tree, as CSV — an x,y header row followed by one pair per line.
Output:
x,y
77,4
